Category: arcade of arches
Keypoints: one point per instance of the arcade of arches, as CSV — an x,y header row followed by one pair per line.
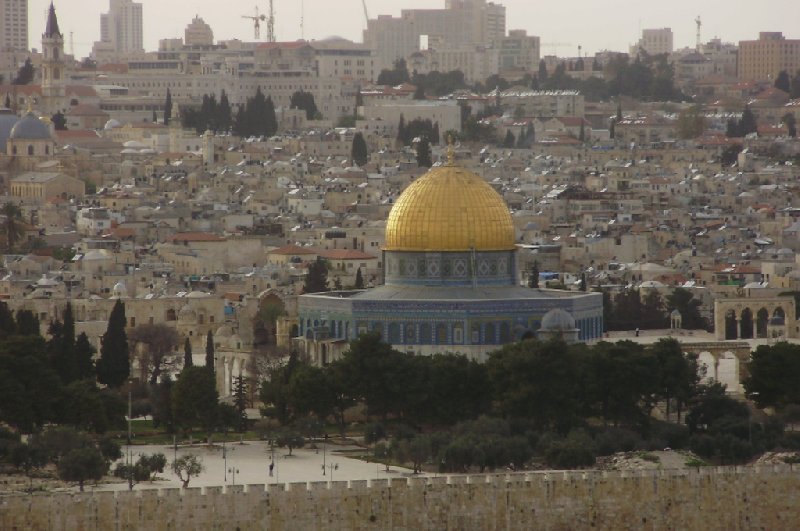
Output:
x,y
754,318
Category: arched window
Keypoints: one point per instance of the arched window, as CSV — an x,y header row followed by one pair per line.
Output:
x,y
410,334
441,334
489,335
30,150
425,334
505,332
56,73
170,316
394,333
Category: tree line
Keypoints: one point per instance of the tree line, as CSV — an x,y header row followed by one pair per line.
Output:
x,y
628,310
531,401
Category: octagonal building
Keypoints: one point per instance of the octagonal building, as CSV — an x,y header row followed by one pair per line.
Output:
x,y
450,280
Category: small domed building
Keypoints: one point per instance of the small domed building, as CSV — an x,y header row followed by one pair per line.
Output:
x,y
450,280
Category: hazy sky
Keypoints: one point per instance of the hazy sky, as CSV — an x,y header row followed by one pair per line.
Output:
x,y
594,24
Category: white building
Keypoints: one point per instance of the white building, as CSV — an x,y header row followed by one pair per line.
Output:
x,y
654,42
121,29
198,33
13,25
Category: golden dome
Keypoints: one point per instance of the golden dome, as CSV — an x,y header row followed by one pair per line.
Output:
x,y
450,209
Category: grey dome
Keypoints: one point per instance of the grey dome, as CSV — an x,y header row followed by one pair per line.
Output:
x,y
558,320
7,122
30,128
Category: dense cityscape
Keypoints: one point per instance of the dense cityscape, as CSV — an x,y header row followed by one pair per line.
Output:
x,y
449,253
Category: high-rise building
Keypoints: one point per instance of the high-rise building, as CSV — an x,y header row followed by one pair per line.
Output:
x,y
13,25
765,58
121,28
654,42
198,33
461,22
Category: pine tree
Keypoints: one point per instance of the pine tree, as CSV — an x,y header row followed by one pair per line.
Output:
x,y
168,108
542,71
114,367
187,353
401,130
210,351
27,323
8,327
270,120
748,123
533,280
224,121
25,74
68,346
509,140
424,153
782,82
582,285
359,280
359,150
317,277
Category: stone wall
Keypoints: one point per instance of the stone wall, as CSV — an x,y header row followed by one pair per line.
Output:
x,y
718,498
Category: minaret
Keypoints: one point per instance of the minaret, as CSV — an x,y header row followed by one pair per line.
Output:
x,y
53,60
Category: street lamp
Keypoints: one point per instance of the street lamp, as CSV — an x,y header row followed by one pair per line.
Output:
x,y
331,467
225,460
233,470
324,448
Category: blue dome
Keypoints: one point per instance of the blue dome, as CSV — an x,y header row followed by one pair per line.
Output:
x,y
30,128
7,122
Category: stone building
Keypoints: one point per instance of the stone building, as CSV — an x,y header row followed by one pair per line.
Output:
x,y
451,280
41,186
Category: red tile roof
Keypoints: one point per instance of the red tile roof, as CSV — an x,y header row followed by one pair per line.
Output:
x,y
181,237
345,254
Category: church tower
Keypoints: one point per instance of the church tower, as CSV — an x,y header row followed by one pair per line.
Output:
x,y
53,74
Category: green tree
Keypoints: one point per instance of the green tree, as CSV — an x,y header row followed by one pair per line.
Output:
x,y
25,74
782,82
8,327
748,122
305,101
509,141
359,279
81,465
194,399
161,402
113,367
533,278
396,76
317,277
675,372
424,153
537,380
168,107
542,76
682,300
187,467
157,344
359,150
84,358
30,390
59,121
210,351
289,438
12,224
774,373
187,353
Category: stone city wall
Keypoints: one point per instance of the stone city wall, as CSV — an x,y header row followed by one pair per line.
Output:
x,y
718,498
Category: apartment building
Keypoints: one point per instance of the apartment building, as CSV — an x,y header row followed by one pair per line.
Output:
x,y
13,25
121,29
654,42
764,58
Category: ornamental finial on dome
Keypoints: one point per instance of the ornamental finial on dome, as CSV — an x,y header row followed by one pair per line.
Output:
x,y
451,151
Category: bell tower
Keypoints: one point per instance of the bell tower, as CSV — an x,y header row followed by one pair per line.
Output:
x,y
53,74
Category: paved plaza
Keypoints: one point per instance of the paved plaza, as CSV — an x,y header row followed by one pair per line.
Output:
x,y
248,463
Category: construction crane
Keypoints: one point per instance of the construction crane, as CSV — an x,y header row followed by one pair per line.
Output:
x,y
699,25
271,23
257,19
366,13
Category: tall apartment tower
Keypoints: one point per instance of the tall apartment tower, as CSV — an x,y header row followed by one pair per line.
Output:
x,y
654,42
461,22
122,26
53,64
763,59
13,25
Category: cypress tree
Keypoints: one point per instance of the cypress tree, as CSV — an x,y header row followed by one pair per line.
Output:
x,y
84,358
359,279
187,353
401,130
114,365
424,153
168,108
359,150
27,323
270,121
210,351
7,325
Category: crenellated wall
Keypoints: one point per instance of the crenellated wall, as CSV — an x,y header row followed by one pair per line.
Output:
x,y
712,498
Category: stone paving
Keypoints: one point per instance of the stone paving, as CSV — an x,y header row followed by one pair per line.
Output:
x,y
251,464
